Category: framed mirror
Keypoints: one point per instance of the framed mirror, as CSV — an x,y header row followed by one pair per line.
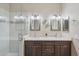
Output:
x,y
34,25
65,23
55,25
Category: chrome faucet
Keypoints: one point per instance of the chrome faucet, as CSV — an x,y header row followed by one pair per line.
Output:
x,y
46,34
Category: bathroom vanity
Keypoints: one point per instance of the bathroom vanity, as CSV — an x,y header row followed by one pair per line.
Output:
x,y
48,47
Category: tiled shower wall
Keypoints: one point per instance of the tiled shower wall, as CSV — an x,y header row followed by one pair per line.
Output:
x,y
15,30
4,29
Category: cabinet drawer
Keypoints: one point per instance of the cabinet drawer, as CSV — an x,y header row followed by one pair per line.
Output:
x,y
47,48
32,48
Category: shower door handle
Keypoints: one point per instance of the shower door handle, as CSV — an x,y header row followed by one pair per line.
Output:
x,y
20,37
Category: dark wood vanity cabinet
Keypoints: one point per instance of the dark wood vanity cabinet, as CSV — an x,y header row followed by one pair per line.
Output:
x,y
32,48
47,48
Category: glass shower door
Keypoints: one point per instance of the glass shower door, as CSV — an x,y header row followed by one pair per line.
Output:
x,y
20,27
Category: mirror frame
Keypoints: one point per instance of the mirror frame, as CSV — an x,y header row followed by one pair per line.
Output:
x,y
34,25
65,24
59,25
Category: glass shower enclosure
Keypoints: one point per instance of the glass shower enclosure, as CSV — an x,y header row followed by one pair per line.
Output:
x,y
13,26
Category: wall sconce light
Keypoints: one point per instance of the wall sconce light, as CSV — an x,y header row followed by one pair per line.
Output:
x,y
16,17
35,16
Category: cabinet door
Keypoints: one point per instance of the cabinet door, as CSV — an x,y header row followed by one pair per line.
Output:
x,y
48,48
57,50
32,48
65,49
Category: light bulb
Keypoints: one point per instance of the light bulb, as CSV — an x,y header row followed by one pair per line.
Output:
x,y
67,17
59,17
53,17
21,17
38,17
16,17
32,17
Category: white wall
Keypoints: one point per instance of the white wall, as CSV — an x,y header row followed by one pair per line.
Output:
x,y
37,7
4,30
72,10
44,10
